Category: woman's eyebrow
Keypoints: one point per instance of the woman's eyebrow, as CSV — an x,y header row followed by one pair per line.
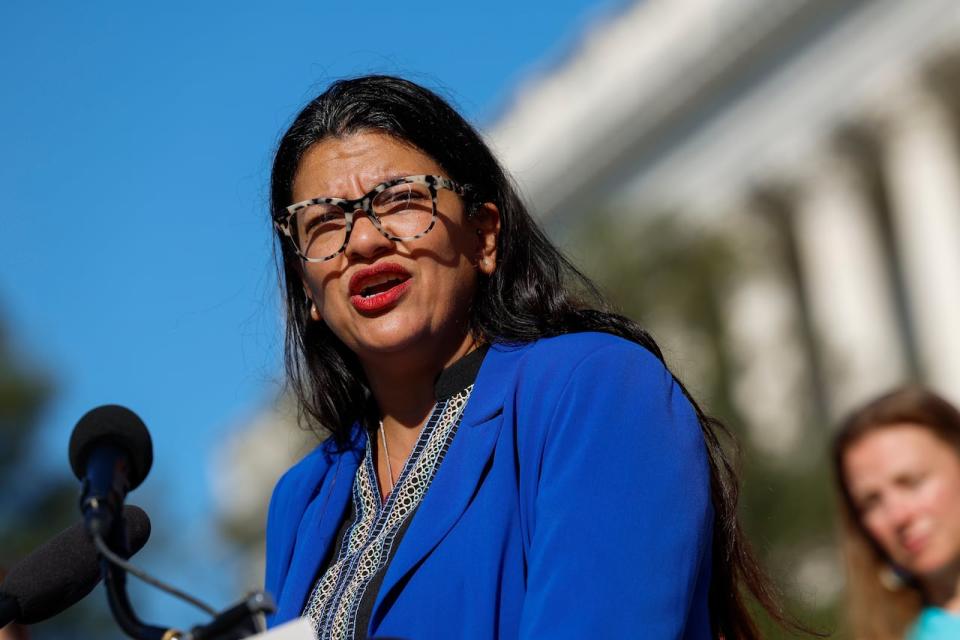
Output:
x,y
391,176
379,180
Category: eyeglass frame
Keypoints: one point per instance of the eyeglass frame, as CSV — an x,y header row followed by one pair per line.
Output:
x,y
365,204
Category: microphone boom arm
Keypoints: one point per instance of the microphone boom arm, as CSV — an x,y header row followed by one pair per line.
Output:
x,y
115,581
113,567
238,621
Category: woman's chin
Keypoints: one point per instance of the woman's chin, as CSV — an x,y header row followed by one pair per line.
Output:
x,y
410,350
391,342
930,565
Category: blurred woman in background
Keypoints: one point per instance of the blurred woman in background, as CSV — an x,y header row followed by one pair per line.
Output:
x,y
897,462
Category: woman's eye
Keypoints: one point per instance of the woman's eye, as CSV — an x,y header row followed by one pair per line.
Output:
x,y
913,480
399,197
321,220
398,200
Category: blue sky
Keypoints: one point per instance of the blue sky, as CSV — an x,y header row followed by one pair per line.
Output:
x,y
135,248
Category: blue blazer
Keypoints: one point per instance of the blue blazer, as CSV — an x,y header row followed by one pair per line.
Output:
x,y
574,502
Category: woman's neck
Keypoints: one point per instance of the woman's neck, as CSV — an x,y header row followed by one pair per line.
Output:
x,y
943,589
403,384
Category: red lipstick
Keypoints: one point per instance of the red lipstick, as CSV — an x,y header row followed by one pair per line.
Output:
x,y
378,287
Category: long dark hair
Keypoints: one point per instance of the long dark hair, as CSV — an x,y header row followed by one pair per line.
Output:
x,y
535,292
883,608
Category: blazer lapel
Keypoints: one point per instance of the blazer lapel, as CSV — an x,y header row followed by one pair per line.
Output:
x,y
459,474
317,531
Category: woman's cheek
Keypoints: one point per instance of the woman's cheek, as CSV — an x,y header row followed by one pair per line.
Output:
x,y
878,526
940,497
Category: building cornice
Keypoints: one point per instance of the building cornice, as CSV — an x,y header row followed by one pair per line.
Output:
x,y
672,77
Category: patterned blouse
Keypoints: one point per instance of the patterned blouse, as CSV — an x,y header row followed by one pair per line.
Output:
x,y
342,599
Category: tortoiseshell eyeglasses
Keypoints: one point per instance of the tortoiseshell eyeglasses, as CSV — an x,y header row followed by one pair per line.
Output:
x,y
400,209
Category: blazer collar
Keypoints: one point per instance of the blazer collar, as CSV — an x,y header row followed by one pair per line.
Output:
x,y
319,525
459,473
443,504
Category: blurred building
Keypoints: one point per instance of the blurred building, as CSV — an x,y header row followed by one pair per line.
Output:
x,y
819,136
243,472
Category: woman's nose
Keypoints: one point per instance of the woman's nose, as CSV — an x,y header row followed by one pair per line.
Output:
x,y
901,511
365,239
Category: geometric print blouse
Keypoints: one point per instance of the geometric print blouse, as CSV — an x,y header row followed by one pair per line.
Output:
x,y
341,602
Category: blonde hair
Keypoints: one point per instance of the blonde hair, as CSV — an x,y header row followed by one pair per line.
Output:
x,y
879,611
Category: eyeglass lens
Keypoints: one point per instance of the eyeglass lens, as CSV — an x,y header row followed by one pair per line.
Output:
x,y
404,211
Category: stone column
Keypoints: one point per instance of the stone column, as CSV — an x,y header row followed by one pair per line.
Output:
x,y
763,327
923,174
850,298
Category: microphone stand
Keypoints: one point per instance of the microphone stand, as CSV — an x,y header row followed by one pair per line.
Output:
x,y
241,620
115,581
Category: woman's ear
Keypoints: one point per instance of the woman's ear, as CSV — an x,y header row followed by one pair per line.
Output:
x,y
486,221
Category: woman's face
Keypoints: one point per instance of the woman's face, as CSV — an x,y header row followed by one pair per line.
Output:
x,y
381,296
905,484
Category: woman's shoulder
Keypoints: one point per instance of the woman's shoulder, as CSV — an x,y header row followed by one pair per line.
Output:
x,y
310,470
605,384
582,341
604,410
935,623
594,373
589,353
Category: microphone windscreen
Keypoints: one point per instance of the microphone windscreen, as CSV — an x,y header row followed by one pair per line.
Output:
x,y
116,425
63,570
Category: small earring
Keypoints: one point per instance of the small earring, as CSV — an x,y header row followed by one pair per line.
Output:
x,y
893,578
312,312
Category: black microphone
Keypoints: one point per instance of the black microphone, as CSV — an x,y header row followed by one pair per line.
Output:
x,y
61,572
111,453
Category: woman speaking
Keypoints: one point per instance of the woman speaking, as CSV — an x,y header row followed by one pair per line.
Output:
x,y
506,460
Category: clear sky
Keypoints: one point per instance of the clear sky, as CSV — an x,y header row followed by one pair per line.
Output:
x,y
135,248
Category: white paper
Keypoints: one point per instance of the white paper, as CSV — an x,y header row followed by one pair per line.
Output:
x,y
299,629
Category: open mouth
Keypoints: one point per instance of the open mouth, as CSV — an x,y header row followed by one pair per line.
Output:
x,y
381,287
377,287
